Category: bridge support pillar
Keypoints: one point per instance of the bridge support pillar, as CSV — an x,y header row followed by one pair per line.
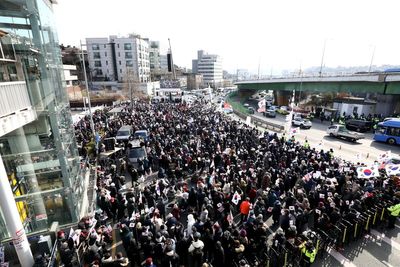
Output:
x,y
282,97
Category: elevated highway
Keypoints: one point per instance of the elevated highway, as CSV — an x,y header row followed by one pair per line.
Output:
x,y
381,83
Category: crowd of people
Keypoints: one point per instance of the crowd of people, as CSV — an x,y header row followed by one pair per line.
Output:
x,y
204,192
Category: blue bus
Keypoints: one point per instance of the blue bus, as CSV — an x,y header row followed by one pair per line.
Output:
x,y
388,131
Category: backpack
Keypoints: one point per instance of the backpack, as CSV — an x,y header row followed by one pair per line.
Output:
x,y
197,252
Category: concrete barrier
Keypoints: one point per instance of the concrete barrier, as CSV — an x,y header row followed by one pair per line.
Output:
x,y
260,122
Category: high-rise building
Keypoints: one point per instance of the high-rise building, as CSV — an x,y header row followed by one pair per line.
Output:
x,y
164,62
116,58
38,152
154,55
210,66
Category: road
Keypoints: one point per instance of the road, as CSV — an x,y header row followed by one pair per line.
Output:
x,y
317,137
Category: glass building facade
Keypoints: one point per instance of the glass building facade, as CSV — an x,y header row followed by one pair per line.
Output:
x,y
40,153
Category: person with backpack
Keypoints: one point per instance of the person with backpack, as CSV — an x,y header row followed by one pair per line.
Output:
x,y
196,251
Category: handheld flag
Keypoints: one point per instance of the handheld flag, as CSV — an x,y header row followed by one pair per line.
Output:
x,y
229,218
294,131
392,169
236,198
261,105
385,157
367,172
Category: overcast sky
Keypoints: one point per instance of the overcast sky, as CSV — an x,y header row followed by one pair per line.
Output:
x,y
279,34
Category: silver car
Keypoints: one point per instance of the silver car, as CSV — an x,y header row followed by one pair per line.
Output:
x,y
302,123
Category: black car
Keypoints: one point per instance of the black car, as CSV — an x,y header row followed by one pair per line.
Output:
x,y
358,125
251,110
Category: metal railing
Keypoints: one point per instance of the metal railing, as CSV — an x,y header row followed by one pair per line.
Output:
x,y
326,78
13,97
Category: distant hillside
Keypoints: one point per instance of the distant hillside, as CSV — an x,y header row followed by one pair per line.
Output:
x,y
354,69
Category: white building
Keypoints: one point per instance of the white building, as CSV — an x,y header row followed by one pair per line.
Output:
x,y
150,88
352,105
69,75
112,59
210,66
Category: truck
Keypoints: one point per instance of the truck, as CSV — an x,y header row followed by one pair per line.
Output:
x,y
340,131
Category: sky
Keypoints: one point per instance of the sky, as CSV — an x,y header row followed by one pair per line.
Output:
x,y
270,35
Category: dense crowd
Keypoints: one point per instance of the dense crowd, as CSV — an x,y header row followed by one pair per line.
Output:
x,y
204,192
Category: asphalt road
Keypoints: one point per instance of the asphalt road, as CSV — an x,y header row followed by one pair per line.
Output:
x,y
367,148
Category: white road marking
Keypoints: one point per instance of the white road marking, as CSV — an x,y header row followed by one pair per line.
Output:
x,y
340,258
387,264
385,239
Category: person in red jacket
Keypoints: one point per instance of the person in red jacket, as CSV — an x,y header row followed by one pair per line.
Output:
x,y
244,209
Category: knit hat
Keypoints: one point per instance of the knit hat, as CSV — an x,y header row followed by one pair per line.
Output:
x,y
149,261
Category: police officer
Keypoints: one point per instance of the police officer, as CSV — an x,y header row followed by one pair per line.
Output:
x,y
394,213
308,252
306,144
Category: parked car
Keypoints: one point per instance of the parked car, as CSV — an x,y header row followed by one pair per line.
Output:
x,y
124,133
302,123
282,111
340,131
141,134
358,125
136,153
271,113
246,105
251,110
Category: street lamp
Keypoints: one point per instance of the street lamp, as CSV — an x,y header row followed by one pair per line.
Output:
x,y
372,59
322,59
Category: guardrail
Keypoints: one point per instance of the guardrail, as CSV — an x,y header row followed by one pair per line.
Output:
x,y
261,123
267,124
13,97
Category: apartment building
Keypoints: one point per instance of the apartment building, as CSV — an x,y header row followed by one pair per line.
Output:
x,y
119,58
210,66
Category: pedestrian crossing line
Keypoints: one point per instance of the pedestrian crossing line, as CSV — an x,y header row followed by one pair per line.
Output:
x,y
340,258
385,239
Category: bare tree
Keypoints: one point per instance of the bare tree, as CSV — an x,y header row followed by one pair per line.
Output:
x,y
132,86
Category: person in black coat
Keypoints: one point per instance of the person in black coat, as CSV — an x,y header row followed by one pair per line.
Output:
x,y
284,221
219,255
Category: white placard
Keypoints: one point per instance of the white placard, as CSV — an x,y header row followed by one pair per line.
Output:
x,y
248,120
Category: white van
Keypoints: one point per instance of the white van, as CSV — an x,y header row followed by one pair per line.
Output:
x,y
124,133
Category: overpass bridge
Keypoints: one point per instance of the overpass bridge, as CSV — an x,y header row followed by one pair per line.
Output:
x,y
380,83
